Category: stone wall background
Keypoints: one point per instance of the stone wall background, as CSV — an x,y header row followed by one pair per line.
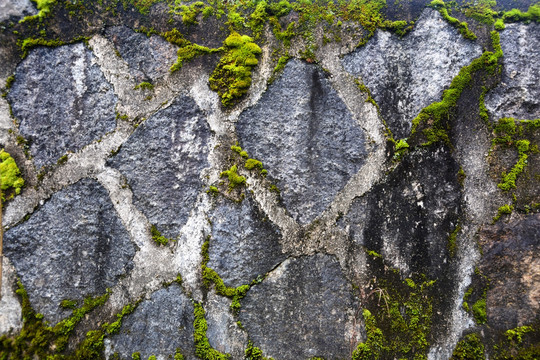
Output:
x,y
109,165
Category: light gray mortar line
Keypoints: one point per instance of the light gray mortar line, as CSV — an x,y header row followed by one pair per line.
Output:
x,y
80,164
268,201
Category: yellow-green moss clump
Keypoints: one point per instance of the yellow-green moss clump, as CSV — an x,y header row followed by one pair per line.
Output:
x,y
187,51
232,76
10,176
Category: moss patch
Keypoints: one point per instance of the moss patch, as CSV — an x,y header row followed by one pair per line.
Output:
x,y
10,176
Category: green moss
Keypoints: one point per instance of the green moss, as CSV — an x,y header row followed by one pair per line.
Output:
x,y
479,311
232,76
437,113
188,13
27,44
509,179
401,324
157,237
518,343
136,356
212,191
144,85
203,350
515,15
239,151
62,160
461,176
178,355
400,148
463,27
470,348
516,334
499,25
11,180
258,18
254,353
144,5
234,179
451,242
253,163
9,81
152,357
44,7
505,209
282,61
68,304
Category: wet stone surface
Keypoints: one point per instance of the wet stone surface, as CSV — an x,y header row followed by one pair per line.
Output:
x,y
405,75
301,310
158,326
149,58
162,162
517,94
62,100
306,137
510,261
244,243
71,247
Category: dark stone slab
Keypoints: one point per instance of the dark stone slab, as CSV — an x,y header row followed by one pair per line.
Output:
x,y
244,242
301,310
162,162
306,137
73,246
62,100
149,58
158,326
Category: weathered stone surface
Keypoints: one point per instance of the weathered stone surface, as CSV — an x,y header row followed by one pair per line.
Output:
x,y
517,95
408,217
158,326
304,308
510,261
405,75
306,137
73,246
162,162
223,332
149,58
16,8
62,101
244,243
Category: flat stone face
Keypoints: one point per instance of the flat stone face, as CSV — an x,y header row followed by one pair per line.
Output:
x,y
244,243
16,8
158,326
518,94
510,261
406,75
306,137
162,162
62,101
73,246
149,58
304,308
408,217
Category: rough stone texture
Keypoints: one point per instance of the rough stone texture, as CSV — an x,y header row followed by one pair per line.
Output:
x,y
73,246
62,101
16,8
149,58
303,309
10,317
223,332
158,326
306,137
405,75
408,217
244,243
511,263
162,162
517,95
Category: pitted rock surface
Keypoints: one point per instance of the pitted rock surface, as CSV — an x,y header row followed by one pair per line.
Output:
x,y
158,326
306,137
422,192
244,243
149,58
512,265
517,94
16,8
162,162
406,75
73,246
62,101
301,310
